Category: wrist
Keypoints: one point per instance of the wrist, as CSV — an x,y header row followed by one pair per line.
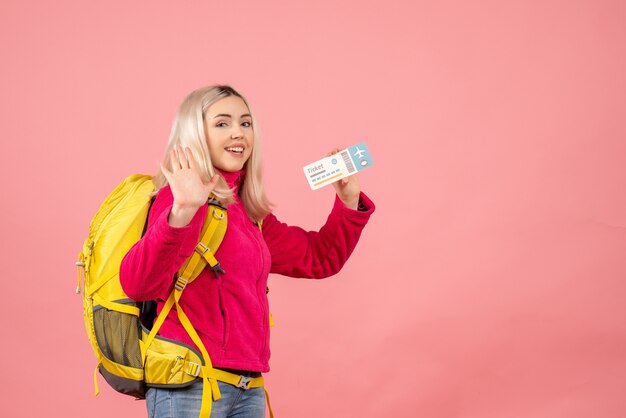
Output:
x,y
184,207
351,203
180,216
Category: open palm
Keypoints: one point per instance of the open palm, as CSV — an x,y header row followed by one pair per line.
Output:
x,y
188,188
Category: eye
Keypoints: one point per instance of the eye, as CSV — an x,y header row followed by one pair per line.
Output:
x,y
221,124
247,124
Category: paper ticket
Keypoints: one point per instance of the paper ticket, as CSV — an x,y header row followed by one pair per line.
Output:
x,y
337,166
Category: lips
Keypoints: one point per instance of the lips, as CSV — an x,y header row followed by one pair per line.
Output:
x,y
235,150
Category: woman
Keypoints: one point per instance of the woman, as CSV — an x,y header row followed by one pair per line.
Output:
x,y
213,150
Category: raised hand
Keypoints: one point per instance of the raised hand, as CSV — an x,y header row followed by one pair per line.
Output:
x,y
189,190
348,189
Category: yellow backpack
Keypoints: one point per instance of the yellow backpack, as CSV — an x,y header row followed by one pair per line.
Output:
x,y
129,353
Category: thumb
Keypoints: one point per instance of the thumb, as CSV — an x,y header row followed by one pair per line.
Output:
x,y
164,171
214,179
213,182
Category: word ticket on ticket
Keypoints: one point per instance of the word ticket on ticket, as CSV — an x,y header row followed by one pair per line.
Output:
x,y
337,166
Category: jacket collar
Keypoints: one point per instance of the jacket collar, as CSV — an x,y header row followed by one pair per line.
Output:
x,y
233,179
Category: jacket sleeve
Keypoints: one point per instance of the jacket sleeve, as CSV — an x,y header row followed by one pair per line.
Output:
x,y
312,254
147,270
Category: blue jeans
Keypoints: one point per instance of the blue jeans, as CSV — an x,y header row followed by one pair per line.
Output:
x,y
185,402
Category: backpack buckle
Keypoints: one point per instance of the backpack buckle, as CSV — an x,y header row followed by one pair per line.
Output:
x,y
217,269
193,369
244,382
181,282
201,248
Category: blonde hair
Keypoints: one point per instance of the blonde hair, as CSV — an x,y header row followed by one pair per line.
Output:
x,y
188,131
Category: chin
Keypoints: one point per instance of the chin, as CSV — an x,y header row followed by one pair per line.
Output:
x,y
230,164
230,167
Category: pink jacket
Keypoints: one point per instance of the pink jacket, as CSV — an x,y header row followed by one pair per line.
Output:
x,y
230,313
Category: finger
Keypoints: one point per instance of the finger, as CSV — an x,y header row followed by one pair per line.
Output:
x,y
343,182
163,168
174,161
182,156
352,178
212,183
190,161
333,151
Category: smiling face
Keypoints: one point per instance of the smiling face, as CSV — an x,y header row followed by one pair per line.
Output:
x,y
230,135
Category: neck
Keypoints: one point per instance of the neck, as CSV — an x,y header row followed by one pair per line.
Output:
x,y
233,178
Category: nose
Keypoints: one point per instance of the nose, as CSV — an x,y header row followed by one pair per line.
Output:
x,y
236,132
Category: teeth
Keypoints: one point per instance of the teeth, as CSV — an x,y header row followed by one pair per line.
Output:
x,y
235,149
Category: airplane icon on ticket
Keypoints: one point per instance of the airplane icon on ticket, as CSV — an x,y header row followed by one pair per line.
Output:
x,y
359,152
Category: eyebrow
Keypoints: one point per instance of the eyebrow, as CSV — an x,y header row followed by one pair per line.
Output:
x,y
229,116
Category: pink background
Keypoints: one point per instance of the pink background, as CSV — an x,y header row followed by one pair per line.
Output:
x,y
490,281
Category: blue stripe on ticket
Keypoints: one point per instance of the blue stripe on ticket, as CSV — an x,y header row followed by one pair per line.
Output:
x,y
360,156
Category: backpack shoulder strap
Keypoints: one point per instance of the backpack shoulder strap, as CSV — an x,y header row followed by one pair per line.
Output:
x,y
212,234
211,237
